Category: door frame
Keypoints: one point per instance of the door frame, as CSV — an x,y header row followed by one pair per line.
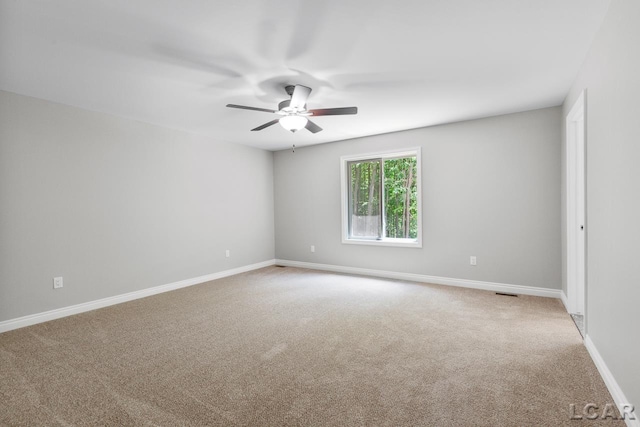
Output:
x,y
576,207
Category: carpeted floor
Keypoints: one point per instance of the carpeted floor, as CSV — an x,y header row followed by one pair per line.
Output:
x,y
287,346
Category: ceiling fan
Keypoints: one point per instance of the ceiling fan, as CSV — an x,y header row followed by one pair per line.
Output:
x,y
295,115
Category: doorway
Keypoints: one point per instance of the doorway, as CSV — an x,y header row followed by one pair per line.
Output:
x,y
576,207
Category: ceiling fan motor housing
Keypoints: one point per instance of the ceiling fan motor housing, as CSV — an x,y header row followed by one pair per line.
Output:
x,y
284,104
287,103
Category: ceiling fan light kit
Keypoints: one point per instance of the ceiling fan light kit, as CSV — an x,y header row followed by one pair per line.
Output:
x,y
293,123
295,113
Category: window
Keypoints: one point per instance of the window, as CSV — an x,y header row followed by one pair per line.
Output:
x,y
381,199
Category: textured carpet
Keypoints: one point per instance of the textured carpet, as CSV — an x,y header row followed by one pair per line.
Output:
x,y
287,346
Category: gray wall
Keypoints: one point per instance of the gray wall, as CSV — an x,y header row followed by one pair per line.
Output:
x,y
490,189
114,205
610,75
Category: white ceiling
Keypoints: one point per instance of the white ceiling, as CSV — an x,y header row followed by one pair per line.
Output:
x,y
404,64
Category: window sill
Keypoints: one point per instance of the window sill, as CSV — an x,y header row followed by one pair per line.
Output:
x,y
403,243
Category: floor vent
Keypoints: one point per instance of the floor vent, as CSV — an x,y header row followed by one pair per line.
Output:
x,y
506,295
281,266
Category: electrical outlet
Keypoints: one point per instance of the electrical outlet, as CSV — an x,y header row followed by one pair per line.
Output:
x,y
473,261
313,248
57,283
227,253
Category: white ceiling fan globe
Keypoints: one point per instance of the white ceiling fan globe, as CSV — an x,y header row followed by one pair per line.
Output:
x,y
293,122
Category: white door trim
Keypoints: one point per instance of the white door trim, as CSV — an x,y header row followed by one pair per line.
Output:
x,y
576,206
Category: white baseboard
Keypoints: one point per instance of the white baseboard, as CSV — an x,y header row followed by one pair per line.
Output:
x,y
565,300
611,383
33,319
465,283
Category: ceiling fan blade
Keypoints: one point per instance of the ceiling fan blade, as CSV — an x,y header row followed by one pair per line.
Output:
x,y
266,125
299,97
312,127
242,107
334,111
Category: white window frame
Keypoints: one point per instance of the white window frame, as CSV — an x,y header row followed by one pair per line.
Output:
x,y
391,154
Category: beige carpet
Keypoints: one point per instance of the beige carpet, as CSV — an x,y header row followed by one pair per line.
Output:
x,y
287,346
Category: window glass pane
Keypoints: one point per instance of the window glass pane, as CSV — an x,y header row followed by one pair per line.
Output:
x,y
401,198
380,199
365,219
